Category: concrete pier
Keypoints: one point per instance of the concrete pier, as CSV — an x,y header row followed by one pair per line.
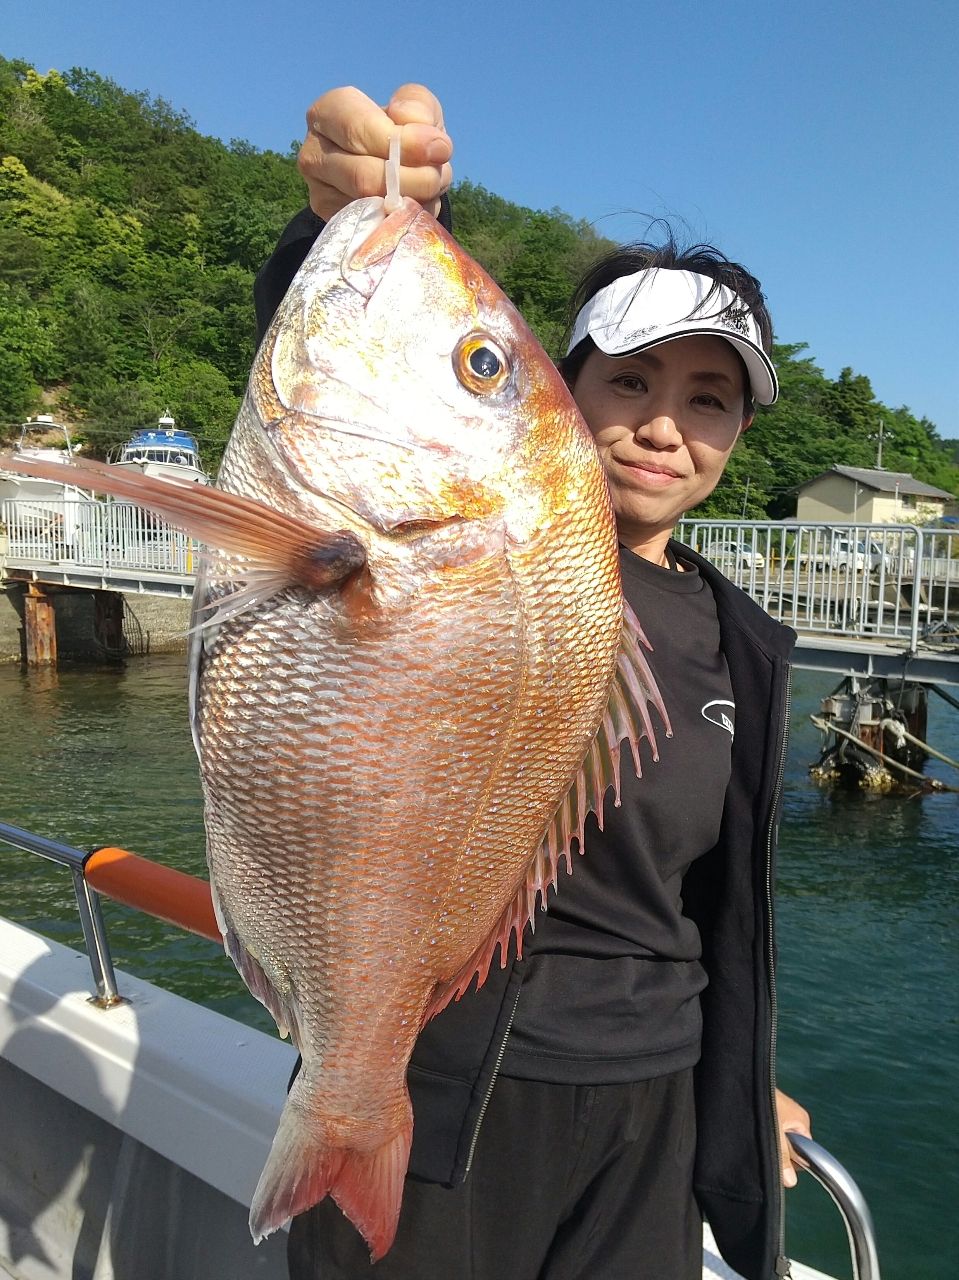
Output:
x,y
85,623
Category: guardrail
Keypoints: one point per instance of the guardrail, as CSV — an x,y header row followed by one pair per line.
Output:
x,y
896,582
847,1198
102,535
125,877
884,581
88,905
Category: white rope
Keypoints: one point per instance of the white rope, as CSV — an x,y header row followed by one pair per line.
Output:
x,y
930,751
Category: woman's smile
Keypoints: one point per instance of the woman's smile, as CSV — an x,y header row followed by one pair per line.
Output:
x,y
646,472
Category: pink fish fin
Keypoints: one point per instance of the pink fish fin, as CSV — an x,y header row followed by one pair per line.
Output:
x,y
302,1169
512,921
278,547
627,717
284,1009
220,607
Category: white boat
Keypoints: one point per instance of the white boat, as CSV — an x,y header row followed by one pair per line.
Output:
x,y
135,1126
164,452
27,488
44,510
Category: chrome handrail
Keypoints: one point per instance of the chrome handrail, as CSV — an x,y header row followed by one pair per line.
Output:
x,y
848,1199
88,905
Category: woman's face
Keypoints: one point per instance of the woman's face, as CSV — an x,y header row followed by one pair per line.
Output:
x,y
665,421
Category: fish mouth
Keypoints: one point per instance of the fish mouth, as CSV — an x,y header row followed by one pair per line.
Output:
x,y
377,236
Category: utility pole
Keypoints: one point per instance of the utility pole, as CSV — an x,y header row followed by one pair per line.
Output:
x,y
879,446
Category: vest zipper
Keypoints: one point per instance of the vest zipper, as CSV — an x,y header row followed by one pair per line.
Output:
x,y
489,1092
782,1262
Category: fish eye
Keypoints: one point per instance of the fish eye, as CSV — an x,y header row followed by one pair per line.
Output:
x,y
481,364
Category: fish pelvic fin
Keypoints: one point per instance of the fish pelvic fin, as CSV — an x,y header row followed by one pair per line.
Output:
x,y
628,719
280,550
302,1169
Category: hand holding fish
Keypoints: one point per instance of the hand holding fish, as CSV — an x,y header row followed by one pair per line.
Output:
x,y
343,156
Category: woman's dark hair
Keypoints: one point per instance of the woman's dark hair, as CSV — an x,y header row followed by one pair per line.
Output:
x,y
703,259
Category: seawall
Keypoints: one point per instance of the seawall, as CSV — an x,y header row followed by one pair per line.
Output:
x,y
151,624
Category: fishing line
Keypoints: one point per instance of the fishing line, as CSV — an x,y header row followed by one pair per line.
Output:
x,y
393,199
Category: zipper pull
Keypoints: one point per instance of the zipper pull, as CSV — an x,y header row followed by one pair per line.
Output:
x,y
784,1268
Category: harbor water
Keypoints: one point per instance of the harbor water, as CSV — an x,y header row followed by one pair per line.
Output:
x,y
868,888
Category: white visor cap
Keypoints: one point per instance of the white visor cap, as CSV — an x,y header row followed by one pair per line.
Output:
x,y
658,304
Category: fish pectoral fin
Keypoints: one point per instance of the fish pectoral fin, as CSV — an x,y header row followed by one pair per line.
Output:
x,y
280,548
627,719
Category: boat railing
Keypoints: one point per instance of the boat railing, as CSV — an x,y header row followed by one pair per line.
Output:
x,y
185,901
137,882
848,1199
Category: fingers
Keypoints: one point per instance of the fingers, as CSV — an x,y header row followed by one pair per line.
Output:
x,y
335,177
343,156
415,104
793,1118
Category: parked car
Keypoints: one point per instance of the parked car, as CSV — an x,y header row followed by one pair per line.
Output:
x,y
735,554
863,556
843,555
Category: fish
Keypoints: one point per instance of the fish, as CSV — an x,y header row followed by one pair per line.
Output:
x,y
413,673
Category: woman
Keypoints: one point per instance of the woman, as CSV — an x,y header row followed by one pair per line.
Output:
x,y
579,1114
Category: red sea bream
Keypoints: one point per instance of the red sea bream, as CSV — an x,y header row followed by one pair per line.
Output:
x,y
413,668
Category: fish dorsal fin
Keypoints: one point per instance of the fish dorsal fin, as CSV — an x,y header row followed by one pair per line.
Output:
x,y
627,718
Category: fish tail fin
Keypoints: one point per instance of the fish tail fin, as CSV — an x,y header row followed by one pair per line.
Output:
x,y
302,1169
369,1190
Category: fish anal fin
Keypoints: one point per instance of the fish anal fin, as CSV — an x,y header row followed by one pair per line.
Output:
x,y
259,984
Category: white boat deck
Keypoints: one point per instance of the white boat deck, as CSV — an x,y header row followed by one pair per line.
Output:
x,y
137,1131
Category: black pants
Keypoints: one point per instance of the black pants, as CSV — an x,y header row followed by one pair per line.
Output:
x,y
569,1182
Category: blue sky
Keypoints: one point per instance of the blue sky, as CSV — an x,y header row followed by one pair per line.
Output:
x,y
816,142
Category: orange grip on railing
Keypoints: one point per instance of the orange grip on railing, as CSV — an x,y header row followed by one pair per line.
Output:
x,y
149,886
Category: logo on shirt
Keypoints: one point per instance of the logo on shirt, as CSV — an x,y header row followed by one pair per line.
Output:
x,y
714,713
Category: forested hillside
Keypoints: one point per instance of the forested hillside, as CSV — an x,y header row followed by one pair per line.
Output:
x,y
128,246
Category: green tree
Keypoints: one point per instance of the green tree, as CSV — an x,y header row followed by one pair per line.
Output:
x,y
128,247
